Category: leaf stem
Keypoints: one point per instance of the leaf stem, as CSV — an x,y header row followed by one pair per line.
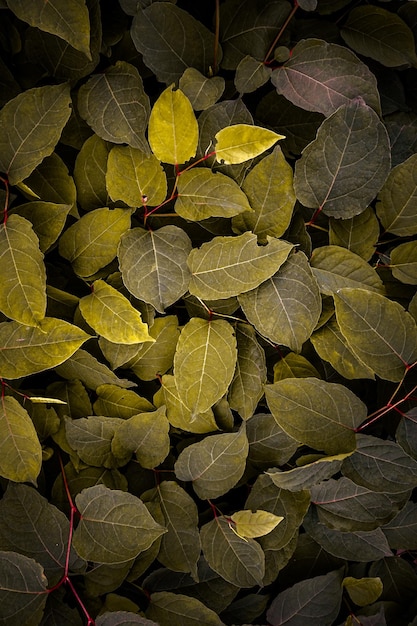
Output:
x,y
7,200
216,37
281,31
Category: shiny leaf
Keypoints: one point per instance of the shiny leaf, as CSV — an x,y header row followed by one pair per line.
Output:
x,y
241,142
251,524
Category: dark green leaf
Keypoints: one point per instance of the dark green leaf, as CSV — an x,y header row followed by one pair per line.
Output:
x,y
171,608
122,618
307,476
359,234
251,74
23,591
202,92
92,437
269,445
404,262
397,201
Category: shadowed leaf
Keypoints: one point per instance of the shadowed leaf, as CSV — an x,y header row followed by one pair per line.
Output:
x,y
23,590
174,608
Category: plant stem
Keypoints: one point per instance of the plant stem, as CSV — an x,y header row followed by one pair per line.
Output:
x,y
282,29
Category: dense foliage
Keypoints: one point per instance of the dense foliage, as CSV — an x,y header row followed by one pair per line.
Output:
x,y
208,312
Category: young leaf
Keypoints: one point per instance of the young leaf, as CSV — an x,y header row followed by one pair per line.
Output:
x,y
201,91
90,173
215,464
173,128
111,315
251,524
23,284
251,74
397,200
363,591
23,590
123,515
30,127
241,142
404,262
174,608
228,266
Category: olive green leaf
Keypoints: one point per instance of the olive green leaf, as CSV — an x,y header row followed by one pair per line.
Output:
x,y
30,127
84,366
269,445
47,218
135,177
110,511
228,266
91,243
359,234
380,34
286,307
154,264
51,182
363,591
377,330
27,350
69,21
155,358
116,402
91,437
294,366
203,194
175,608
116,106
215,464
111,315
20,450
322,76
251,74
352,157
239,561
319,414
403,262
209,348
23,589
397,200
23,284
241,142
90,173
122,618
201,91
308,475
145,434
401,530
251,524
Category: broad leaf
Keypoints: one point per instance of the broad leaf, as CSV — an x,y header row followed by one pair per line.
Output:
x,y
23,285
397,201
363,591
84,366
307,476
122,618
123,515
23,590
173,128
154,358
294,366
241,142
215,464
358,234
90,173
202,92
47,218
404,262
251,74
319,414
30,127
228,266
269,445
251,524
401,530
116,402
92,437
27,350
174,608
51,181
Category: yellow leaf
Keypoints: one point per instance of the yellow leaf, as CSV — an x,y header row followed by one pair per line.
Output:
x,y
240,142
254,524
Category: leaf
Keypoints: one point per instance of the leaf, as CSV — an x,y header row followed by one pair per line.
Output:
x,y
116,402
92,373
91,243
269,445
251,524
27,350
316,600
30,127
157,30
51,181
351,152
68,21
202,92
174,608
135,177
363,591
228,266
308,475
116,106
90,173
122,618
153,264
401,530
47,218
269,188
359,234
285,308
173,128
294,366
23,590
121,514
214,465
377,330
241,142
20,450
251,74
209,348
92,437
237,560
397,200
155,358
319,414
203,194
23,287
404,262
322,76
112,316
380,34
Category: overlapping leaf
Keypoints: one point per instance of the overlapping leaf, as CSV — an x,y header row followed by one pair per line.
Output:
x,y
251,74
404,262
308,475
241,142
397,201
90,173
48,220
155,358
201,91
269,445
92,437
117,402
23,589
85,367
174,608
358,234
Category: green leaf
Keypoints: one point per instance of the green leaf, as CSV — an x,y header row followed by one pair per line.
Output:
x,y
269,445
359,234
401,530
92,437
403,262
251,74
308,475
209,348
122,618
51,181
135,177
68,21
47,218
153,264
319,414
322,76
116,402
269,188
27,350
202,92
378,331
145,434
116,106
23,286
363,591
251,524
159,29
316,600
112,316
203,194
397,201
90,173
123,515
215,464
285,308
23,590
294,366
30,127
155,358
380,34
237,560
174,608
228,266
20,450
351,155
241,142
85,367
91,243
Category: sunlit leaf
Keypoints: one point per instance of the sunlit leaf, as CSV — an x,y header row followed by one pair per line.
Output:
x,y
84,366
23,589
307,476
397,200
47,218
251,524
241,142
363,591
90,173
117,402
155,358
404,262
359,234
